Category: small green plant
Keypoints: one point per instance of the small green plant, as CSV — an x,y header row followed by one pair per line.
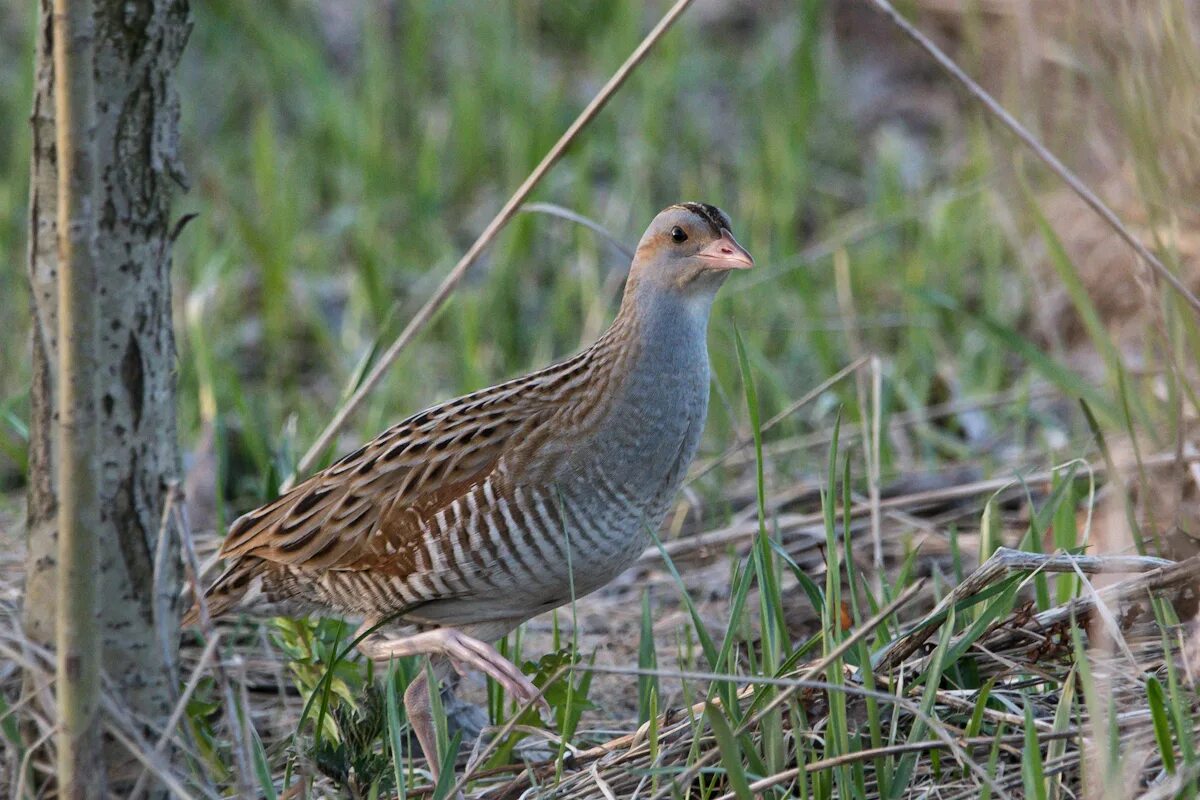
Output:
x,y
565,690
312,647
202,720
358,761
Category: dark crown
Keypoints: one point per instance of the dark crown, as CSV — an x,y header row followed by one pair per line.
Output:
x,y
715,216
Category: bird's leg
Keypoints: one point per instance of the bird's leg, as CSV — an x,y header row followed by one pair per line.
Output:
x,y
419,708
464,652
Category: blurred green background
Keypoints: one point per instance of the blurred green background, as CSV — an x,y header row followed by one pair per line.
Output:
x,y
342,156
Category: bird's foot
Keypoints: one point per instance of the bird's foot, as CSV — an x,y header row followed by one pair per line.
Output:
x,y
464,652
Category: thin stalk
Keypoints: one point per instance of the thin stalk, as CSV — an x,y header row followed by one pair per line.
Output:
x,y
510,208
77,631
1049,159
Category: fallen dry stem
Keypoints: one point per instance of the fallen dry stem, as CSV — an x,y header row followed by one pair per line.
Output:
x,y
1001,564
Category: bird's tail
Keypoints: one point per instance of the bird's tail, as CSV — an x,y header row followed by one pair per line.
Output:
x,y
239,585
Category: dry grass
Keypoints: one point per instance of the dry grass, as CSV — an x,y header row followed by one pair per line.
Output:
x,y
806,636
1025,660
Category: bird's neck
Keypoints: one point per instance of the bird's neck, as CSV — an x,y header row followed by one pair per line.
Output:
x,y
659,398
663,333
659,323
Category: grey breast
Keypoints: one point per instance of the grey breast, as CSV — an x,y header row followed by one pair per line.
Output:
x,y
533,547
618,485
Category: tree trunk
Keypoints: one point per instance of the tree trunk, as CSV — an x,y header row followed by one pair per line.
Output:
x,y
135,48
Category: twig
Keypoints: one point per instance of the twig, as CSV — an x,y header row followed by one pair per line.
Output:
x,y
19,789
1173,574
425,314
1110,622
180,707
1048,158
243,758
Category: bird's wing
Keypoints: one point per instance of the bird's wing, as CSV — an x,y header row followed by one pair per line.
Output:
x,y
375,507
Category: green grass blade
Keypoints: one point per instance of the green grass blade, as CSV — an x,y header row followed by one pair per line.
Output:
x,y
446,775
706,643
1057,748
262,767
395,731
1007,338
731,752
932,679
1157,701
1064,267
647,659
993,759
1032,776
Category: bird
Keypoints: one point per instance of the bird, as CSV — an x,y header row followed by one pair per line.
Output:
x,y
465,520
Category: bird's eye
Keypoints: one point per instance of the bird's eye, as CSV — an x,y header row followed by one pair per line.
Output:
x,y
677,235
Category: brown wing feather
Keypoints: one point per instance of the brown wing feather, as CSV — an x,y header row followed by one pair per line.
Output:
x,y
371,508
374,509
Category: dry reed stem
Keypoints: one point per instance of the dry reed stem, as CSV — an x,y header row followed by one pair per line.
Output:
x,y
451,281
1048,158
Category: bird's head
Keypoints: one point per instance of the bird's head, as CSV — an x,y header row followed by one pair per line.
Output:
x,y
688,249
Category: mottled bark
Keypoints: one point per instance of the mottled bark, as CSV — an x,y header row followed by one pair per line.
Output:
x,y
136,46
